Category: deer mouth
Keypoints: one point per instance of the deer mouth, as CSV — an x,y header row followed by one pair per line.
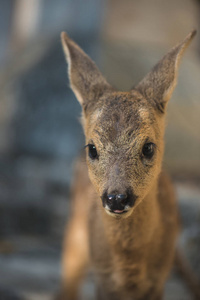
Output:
x,y
117,211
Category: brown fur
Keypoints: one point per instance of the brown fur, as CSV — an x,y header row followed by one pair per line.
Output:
x,y
132,253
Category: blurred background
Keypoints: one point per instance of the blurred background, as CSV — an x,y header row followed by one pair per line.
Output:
x,y
40,135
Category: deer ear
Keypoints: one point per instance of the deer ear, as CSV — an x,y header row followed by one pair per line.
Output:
x,y
158,85
86,80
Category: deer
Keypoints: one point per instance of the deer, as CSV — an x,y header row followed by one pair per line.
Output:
x,y
124,214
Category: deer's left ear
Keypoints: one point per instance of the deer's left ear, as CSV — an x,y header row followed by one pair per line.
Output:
x,y
158,85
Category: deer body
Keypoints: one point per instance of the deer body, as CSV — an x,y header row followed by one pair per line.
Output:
x,y
124,215
135,255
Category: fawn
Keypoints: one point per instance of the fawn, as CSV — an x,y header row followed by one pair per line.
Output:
x,y
124,219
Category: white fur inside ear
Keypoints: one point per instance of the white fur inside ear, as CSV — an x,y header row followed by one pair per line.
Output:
x,y
69,62
77,94
182,47
67,55
168,93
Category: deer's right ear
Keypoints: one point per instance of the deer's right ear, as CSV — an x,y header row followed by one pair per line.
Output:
x,y
86,80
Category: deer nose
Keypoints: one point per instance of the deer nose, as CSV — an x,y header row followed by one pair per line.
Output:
x,y
120,198
116,201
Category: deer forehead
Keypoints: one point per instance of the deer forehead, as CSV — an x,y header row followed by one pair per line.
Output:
x,y
122,105
120,123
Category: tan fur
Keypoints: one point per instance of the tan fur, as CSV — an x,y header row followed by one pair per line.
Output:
x,y
131,253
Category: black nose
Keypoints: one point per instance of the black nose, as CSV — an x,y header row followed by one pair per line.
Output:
x,y
121,199
118,201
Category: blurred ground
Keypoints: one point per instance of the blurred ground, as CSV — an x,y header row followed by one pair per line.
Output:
x,y
40,135
30,266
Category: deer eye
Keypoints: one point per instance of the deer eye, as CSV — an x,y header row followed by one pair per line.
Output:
x,y
148,150
92,151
